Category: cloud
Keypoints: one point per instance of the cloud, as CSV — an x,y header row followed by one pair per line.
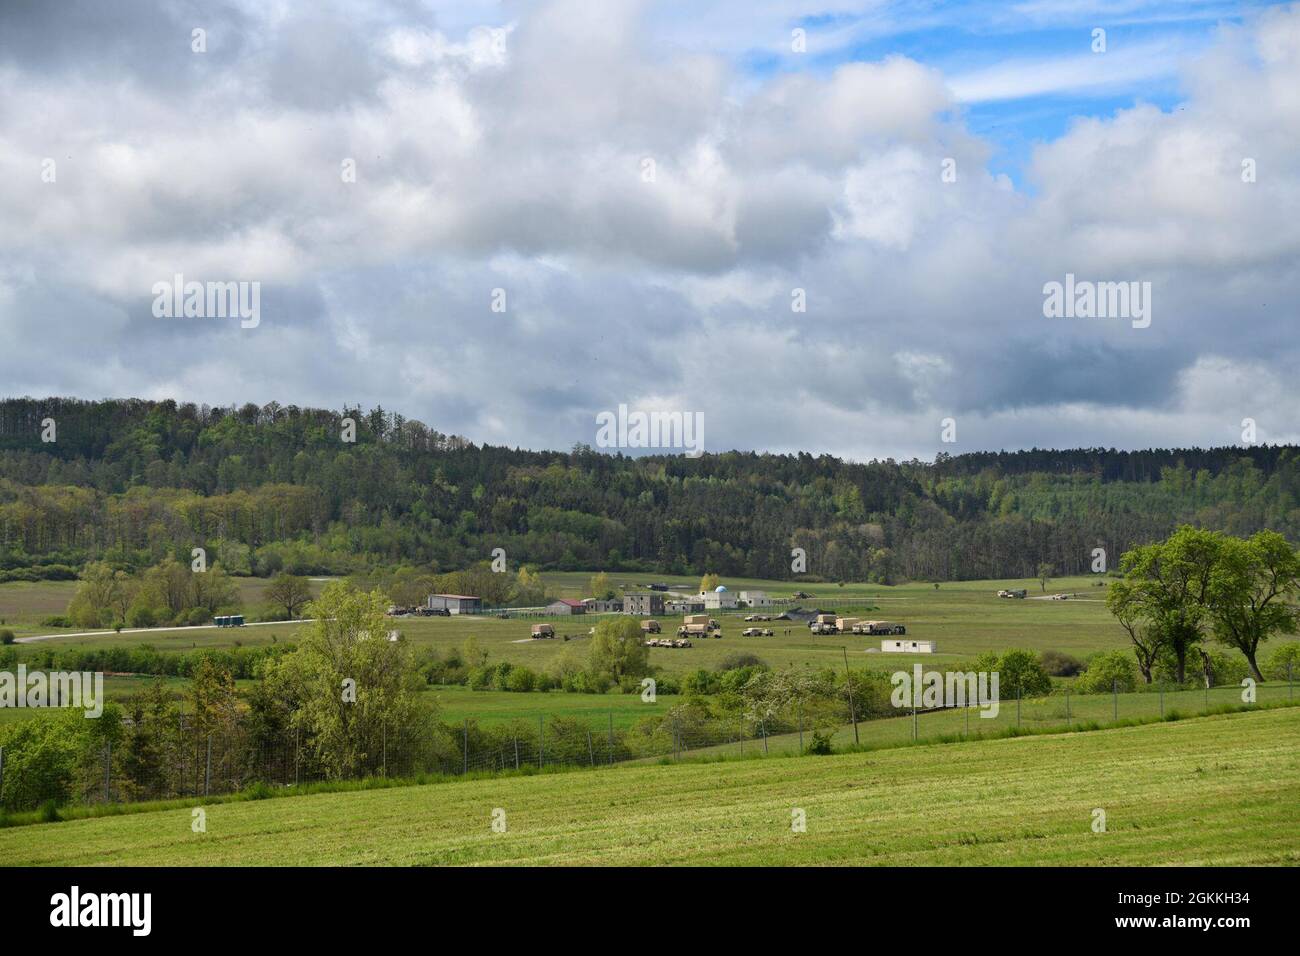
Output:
x,y
649,211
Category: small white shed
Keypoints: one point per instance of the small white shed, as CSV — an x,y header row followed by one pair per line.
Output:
x,y
901,645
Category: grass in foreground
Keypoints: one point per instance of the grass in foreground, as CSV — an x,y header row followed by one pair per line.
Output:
x,y
1216,790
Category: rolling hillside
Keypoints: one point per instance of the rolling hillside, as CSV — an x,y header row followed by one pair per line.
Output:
x,y
1217,790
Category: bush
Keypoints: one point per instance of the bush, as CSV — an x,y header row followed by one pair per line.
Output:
x,y
1020,673
521,680
58,620
737,659
701,682
141,615
6,636
198,616
1107,670
821,743
1058,664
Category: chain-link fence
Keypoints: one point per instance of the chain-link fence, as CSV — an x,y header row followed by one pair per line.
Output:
x,y
168,758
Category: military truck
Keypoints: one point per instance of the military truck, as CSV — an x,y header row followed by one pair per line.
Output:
x,y
650,627
543,632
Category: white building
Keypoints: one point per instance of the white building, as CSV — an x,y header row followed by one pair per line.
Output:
x,y
718,600
755,599
904,646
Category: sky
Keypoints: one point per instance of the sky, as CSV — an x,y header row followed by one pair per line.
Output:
x,y
826,227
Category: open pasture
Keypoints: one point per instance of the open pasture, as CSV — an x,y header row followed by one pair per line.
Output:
x,y
964,619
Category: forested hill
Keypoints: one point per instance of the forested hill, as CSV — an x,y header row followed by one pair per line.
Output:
x,y
276,488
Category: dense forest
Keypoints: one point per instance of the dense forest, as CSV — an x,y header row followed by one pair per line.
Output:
x,y
265,489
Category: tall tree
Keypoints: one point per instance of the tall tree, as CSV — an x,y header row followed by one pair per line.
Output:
x,y
1250,591
1122,600
289,591
1170,588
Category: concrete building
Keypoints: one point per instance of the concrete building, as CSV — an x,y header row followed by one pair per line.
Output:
x,y
755,599
683,606
646,605
566,606
904,646
719,600
455,603
599,606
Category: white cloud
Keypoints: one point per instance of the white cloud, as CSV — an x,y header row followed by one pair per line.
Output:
x,y
520,167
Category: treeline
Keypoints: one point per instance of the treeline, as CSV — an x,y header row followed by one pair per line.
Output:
x,y
281,488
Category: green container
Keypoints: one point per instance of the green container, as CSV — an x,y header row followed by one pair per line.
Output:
x,y
237,620
222,621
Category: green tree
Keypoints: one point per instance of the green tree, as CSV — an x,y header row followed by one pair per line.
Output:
x,y
1122,598
618,649
1170,588
1021,672
1250,590
98,594
1108,670
289,591
529,590
600,587
350,682
1045,572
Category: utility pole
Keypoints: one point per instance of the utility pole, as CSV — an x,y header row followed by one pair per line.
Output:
x,y
848,676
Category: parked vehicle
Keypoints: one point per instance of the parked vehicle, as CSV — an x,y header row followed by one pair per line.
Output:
x,y
543,632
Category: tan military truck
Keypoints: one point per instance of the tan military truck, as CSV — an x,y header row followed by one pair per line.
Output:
x,y
650,627
543,632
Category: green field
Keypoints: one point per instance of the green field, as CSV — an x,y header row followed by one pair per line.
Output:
x,y
490,707
1219,790
963,618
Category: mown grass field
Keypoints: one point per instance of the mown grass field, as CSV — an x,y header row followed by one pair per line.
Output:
x,y
1211,791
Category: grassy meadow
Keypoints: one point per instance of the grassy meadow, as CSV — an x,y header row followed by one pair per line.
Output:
x,y
964,619
1208,791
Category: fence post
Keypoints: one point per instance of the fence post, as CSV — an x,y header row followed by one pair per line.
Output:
x,y
1114,696
466,747
207,770
968,720
913,719
591,753
1290,687
1018,694
1068,719
108,770
801,728
611,736
1162,700
297,756
384,731
516,751
541,736
2,777
764,728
